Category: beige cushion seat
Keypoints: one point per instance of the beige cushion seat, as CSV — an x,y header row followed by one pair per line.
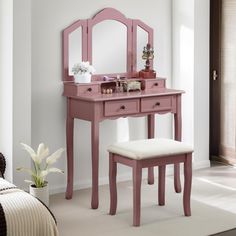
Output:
x,y
149,148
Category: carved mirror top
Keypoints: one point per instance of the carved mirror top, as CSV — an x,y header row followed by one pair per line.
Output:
x,y
109,41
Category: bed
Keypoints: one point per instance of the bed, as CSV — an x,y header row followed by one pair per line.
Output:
x,y
22,214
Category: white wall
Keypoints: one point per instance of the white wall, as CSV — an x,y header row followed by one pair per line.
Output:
x,y
6,83
201,82
15,84
191,72
49,18
21,86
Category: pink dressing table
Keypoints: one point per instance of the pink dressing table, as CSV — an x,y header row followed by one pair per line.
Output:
x,y
86,101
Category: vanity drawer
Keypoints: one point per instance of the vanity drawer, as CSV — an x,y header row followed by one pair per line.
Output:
x,y
72,89
156,104
88,89
125,107
154,84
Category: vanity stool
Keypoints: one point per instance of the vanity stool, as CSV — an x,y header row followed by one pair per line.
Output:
x,y
149,153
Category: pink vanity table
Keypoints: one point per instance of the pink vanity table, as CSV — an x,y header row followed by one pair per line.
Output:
x,y
86,101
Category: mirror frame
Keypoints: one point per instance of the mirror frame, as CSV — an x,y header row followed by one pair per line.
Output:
x,y
87,25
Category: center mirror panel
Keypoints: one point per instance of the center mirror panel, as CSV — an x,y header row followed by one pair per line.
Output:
x,y
109,47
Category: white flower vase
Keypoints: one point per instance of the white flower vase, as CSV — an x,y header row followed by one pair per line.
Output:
x,y
83,78
41,193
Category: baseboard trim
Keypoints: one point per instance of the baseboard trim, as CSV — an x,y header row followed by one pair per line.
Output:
x,y
121,178
201,164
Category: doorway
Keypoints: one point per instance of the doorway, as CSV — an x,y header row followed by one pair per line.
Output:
x,y
223,81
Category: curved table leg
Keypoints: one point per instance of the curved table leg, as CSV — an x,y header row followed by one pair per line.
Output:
x,y
187,184
70,158
95,162
151,129
178,131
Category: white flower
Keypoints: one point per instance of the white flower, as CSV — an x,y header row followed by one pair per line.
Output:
x,y
82,68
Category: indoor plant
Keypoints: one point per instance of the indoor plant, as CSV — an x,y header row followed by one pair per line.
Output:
x,y
82,72
41,168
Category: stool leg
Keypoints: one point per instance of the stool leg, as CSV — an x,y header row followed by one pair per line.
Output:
x,y
177,181
137,179
161,185
187,184
112,183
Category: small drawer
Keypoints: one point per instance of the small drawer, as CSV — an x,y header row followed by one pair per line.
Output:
x,y
88,89
113,108
153,84
156,104
72,89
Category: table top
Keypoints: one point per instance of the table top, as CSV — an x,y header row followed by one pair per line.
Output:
x,y
127,95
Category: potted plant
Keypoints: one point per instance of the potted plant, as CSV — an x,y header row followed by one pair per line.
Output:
x,y
82,72
42,163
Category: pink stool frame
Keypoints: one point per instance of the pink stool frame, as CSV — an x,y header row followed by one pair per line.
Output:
x,y
137,166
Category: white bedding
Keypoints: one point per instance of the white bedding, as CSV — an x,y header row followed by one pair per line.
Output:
x,y
23,215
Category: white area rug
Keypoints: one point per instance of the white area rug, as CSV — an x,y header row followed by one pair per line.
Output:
x,y
213,209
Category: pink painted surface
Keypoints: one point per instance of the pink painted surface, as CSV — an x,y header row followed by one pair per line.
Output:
x,y
154,84
151,134
65,45
137,166
87,26
95,110
85,101
70,157
178,136
121,107
161,185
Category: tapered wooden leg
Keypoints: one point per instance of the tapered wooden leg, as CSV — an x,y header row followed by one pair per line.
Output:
x,y
95,163
178,136
137,178
151,131
177,182
187,184
161,185
69,150
112,183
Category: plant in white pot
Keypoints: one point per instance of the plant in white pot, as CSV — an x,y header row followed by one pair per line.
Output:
x,y
42,163
82,72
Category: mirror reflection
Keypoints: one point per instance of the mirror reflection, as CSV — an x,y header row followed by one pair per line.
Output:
x,y
75,48
109,47
142,40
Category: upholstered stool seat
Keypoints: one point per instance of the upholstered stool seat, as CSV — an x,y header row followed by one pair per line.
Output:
x,y
149,153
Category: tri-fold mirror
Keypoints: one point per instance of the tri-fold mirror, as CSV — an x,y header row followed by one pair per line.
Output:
x,y
112,43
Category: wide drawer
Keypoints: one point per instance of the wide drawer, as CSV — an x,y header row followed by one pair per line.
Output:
x,y
156,104
154,84
114,108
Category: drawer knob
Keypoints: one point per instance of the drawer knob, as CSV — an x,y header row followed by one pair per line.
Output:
x,y
89,89
158,104
122,107
156,84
